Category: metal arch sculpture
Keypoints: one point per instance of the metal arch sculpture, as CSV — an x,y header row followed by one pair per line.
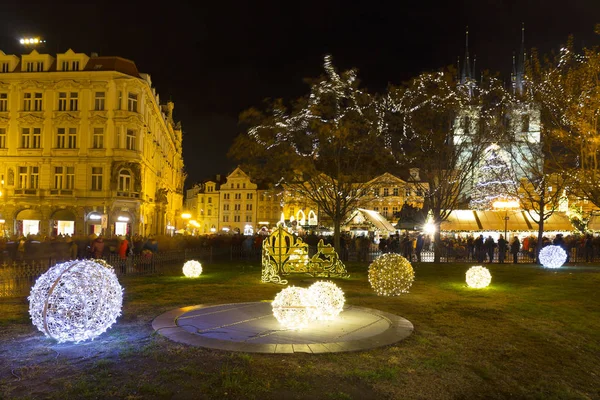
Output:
x,y
284,253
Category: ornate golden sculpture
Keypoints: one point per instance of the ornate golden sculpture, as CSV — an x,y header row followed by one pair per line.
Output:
x,y
283,254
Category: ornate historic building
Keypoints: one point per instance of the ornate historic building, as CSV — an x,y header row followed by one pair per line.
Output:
x,y
86,147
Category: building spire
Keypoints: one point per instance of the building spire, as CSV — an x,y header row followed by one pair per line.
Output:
x,y
466,69
519,66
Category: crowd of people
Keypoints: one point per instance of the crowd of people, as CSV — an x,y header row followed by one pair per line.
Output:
x,y
409,244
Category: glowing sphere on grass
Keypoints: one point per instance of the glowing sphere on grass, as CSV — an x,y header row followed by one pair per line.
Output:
x,y
192,269
553,256
391,275
327,298
293,307
478,277
76,300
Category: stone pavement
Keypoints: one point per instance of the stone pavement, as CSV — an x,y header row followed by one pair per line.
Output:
x,y
252,328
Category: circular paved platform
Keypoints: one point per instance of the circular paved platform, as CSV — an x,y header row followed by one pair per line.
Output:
x,y
251,327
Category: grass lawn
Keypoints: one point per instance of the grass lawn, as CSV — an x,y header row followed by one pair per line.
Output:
x,y
533,334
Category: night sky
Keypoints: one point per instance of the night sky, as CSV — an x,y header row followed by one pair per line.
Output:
x,y
215,60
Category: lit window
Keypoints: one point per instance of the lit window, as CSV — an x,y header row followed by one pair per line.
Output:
x,y
132,102
130,139
98,138
124,181
96,178
99,98
3,102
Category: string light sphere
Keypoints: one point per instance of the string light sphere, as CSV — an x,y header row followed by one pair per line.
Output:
x,y
192,269
553,256
294,308
327,298
391,275
478,277
76,300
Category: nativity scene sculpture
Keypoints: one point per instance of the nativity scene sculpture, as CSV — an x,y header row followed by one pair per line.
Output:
x,y
283,253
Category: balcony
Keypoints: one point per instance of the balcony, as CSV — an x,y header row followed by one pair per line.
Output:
x,y
61,192
26,192
132,195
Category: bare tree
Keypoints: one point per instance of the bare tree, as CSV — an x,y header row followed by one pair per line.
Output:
x,y
326,148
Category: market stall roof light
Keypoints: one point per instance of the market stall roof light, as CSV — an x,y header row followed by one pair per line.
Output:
x,y
506,204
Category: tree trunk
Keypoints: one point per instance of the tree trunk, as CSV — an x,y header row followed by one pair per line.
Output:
x,y
337,224
437,244
538,247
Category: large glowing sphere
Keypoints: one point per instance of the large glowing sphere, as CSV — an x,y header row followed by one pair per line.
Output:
x,y
553,256
293,307
391,275
192,269
76,300
478,277
327,298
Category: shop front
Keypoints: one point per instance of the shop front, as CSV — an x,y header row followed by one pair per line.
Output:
x,y
62,222
27,222
122,223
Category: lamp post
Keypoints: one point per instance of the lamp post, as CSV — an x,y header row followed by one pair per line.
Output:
x,y
506,205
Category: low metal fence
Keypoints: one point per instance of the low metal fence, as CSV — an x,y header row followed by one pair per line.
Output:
x,y
17,277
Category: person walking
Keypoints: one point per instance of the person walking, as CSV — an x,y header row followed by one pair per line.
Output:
x,y
123,253
490,246
515,246
502,249
97,248
479,249
419,248
589,248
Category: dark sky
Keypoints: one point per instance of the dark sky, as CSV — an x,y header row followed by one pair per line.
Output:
x,y
216,58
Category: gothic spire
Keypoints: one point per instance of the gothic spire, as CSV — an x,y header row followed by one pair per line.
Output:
x,y
466,69
519,65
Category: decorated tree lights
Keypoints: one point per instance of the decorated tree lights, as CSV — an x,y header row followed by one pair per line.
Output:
x,y
76,300
391,275
553,256
192,269
328,299
478,277
493,179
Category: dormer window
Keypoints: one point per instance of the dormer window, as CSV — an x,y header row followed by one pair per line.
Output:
x,y
5,67
70,65
34,66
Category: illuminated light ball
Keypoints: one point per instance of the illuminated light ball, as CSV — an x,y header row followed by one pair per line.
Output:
x,y
293,307
553,256
76,300
391,275
478,277
327,298
192,269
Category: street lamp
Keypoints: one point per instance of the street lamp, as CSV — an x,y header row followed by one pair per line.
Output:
x,y
506,205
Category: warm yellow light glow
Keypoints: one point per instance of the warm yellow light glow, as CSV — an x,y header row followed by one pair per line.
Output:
x,y
328,299
506,204
186,215
429,228
391,275
478,277
192,269
293,307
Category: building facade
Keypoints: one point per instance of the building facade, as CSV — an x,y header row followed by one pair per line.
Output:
x,y
86,147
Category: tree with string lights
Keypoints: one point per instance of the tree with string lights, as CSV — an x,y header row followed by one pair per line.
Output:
x,y
326,147
429,130
494,180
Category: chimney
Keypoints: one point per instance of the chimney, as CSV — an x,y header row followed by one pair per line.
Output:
x,y
94,54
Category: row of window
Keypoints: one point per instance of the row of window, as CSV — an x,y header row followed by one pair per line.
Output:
x,y
237,196
66,138
237,218
385,211
69,101
237,207
38,66
28,177
395,192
